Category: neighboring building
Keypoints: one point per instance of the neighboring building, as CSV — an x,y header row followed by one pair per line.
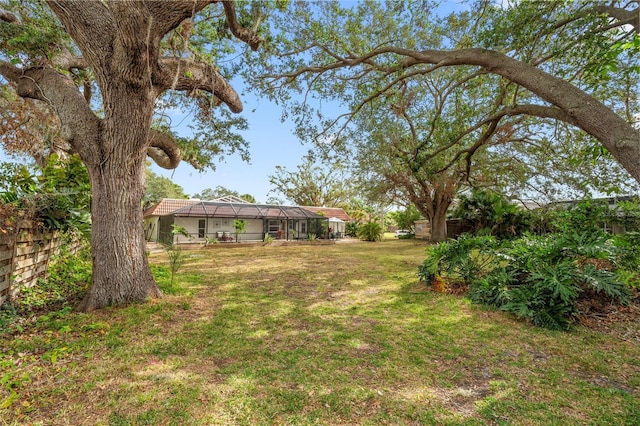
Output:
x,y
214,220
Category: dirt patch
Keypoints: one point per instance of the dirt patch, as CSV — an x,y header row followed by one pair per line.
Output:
x,y
598,313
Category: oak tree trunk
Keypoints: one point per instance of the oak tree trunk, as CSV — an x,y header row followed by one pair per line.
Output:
x,y
439,225
433,202
121,273
120,42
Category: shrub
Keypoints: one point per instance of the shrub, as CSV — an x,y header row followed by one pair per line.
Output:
x,y
586,215
176,256
56,194
493,214
459,259
371,231
351,229
539,278
544,277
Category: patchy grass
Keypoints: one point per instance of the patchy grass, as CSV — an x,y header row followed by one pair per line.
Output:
x,y
303,334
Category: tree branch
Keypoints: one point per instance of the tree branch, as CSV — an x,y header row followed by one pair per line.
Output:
x,y
7,16
89,24
163,149
67,61
237,30
582,109
168,15
10,71
187,75
534,110
77,122
622,16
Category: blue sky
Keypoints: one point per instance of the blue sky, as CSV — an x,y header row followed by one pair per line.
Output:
x,y
271,143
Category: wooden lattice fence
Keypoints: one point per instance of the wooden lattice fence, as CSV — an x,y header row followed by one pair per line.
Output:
x,y
25,256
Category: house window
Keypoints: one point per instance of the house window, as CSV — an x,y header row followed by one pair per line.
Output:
x,y
201,228
274,225
303,227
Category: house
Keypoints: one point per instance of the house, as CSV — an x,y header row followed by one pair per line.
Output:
x,y
619,221
337,218
215,220
153,214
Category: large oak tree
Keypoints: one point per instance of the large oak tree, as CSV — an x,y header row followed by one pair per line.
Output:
x,y
119,44
555,52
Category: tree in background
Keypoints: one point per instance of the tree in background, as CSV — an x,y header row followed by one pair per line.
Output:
x,y
102,67
313,184
556,65
220,191
358,210
159,187
405,219
429,141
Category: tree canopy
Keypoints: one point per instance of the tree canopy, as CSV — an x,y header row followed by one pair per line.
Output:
x,y
313,184
547,68
220,191
159,187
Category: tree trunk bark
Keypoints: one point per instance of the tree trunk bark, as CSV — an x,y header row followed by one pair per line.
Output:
x,y
121,273
439,225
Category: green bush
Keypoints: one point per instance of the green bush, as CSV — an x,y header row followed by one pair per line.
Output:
x,y
493,214
371,231
542,278
351,229
56,194
587,215
462,259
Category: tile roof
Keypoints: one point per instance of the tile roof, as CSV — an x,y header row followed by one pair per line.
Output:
x,y
167,206
330,212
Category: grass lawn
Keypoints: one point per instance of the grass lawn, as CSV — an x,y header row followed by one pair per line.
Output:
x,y
338,334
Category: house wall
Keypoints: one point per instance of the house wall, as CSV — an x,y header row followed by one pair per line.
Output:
x,y
215,229
423,229
151,228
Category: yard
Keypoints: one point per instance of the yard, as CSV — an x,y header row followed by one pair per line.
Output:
x,y
338,334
